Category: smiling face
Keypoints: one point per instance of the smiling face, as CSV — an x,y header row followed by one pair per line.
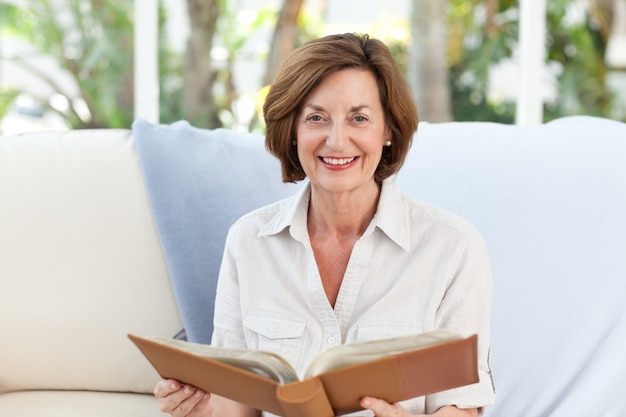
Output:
x,y
341,132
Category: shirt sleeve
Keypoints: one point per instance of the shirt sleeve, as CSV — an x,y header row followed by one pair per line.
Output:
x,y
465,309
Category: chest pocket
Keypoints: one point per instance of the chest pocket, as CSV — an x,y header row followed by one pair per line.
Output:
x,y
278,333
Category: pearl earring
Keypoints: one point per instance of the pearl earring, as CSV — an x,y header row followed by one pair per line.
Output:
x,y
388,143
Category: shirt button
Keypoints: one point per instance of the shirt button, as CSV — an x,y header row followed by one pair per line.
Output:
x,y
331,340
272,328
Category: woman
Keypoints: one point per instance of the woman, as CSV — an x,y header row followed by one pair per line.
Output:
x,y
350,258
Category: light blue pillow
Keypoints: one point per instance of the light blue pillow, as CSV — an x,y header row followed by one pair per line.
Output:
x,y
199,182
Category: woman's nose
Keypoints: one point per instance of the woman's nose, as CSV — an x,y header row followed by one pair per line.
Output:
x,y
337,136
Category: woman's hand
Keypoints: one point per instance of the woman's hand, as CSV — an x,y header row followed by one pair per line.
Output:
x,y
182,400
382,408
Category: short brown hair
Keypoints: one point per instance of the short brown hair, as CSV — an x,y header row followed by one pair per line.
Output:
x,y
307,67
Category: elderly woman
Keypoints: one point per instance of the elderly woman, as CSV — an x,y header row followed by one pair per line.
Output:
x,y
350,257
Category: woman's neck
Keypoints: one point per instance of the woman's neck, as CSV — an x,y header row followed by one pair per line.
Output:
x,y
343,215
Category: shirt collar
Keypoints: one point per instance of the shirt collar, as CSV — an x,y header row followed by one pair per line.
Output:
x,y
292,215
392,215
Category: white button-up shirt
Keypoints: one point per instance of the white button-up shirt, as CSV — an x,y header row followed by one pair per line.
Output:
x,y
415,269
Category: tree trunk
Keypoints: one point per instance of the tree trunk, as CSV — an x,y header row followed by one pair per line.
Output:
x,y
492,11
198,103
428,69
284,39
603,12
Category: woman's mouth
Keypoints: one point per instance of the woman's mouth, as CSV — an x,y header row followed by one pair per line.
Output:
x,y
337,161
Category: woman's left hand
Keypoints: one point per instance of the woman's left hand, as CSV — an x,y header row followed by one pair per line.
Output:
x,y
382,408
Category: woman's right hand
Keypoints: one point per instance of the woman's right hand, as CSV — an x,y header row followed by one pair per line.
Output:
x,y
182,400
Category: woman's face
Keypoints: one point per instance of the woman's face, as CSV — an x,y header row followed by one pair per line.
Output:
x,y
341,132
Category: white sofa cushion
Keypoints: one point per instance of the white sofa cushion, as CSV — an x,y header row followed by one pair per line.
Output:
x,y
80,264
550,201
78,403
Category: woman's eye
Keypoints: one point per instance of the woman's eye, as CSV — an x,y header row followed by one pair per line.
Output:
x,y
314,118
360,118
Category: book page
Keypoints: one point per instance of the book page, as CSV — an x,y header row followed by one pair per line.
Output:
x,y
266,364
355,353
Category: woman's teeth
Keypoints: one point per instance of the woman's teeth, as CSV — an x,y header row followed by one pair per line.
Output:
x,y
338,161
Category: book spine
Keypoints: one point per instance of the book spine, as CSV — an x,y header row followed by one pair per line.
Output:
x,y
304,399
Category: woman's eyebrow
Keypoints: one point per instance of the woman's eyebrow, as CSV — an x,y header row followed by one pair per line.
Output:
x,y
314,107
353,109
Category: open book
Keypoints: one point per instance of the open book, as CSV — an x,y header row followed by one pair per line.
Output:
x,y
392,369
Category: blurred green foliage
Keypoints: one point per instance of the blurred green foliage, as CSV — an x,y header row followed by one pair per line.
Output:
x,y
574,46
7,96
579,47
92,41
476,44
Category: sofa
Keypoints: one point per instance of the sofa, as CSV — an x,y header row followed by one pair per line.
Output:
x,y
110,232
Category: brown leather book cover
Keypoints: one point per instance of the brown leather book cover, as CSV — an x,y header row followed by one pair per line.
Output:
x,y
404,375
211,375
396,377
